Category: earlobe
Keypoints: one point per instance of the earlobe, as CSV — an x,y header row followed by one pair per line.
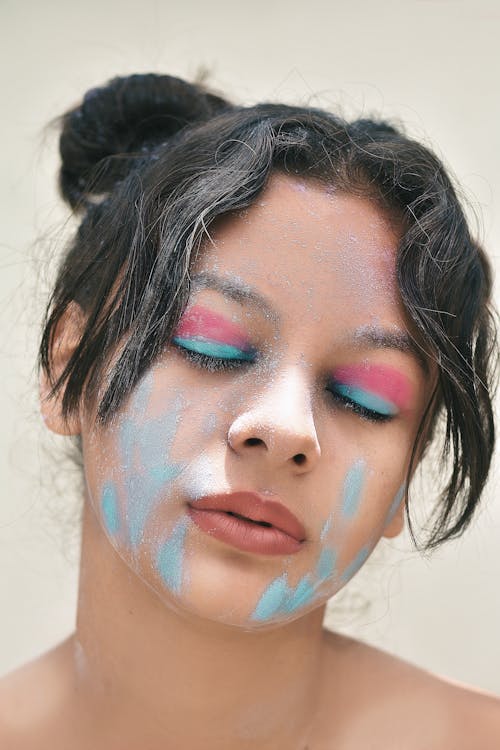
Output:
x,y
64,342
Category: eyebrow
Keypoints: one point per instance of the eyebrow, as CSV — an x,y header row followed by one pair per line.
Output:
x,y
380,338
236,290
372,336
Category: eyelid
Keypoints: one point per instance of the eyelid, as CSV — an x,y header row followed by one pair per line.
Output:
x,y
214,349
381,380
343,396
367,399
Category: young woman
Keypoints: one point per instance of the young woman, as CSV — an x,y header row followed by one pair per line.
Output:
x,y
265,319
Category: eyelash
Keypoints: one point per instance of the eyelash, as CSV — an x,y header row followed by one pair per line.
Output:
x,y
362,411
212,364
219,364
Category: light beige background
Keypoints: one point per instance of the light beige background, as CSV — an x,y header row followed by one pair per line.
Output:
x,y
432,65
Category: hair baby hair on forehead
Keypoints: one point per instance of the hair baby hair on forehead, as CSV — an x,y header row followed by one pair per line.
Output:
x,y
151,161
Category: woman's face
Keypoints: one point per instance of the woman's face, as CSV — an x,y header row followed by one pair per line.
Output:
x,y
291,381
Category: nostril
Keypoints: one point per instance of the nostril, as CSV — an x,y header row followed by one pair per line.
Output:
x,y
253,441
299,459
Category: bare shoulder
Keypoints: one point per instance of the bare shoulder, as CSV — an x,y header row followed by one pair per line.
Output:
x,y
31,695
396,704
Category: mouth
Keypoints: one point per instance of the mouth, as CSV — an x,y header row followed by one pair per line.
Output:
x,y
244,518
250,506
249,521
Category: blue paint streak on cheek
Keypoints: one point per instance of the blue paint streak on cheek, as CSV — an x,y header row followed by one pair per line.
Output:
x,y
326,564
326,527
147,482
142,393
156,438
170,557
356,564
395,504
272,599
126,440
353,488
138,507
109,505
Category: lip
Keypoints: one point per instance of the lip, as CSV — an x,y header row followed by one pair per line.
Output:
x,y
284,535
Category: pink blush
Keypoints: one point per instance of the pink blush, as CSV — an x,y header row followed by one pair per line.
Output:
x,y
381,380
200,322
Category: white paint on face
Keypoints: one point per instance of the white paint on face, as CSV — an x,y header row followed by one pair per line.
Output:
x,y
323,263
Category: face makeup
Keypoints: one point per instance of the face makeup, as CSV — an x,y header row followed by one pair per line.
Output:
x,y
250,522
206,332
353,488
379,388
254,467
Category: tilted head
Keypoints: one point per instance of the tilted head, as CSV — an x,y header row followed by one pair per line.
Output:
x,y
285,251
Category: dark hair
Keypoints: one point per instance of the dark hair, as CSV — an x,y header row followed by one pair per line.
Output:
x,y
151,161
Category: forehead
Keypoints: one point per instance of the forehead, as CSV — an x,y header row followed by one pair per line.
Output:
x,y
302,243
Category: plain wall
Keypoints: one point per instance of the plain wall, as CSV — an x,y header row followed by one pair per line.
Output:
x,y
432,65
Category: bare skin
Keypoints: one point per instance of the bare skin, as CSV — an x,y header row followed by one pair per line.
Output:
x,y
352,695
153,668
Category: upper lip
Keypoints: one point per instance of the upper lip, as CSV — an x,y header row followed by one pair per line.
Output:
x,y
257,508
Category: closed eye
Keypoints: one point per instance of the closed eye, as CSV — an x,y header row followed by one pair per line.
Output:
x,y
213,355
362,402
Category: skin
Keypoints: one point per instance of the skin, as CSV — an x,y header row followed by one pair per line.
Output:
x,y
173,624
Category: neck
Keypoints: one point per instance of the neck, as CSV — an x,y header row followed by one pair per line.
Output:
x,y
145,670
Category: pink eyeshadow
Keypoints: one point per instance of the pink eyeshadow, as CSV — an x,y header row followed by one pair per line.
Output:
x,y
379,379
198,321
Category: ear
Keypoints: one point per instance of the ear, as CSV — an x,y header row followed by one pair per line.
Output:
x,y
64,342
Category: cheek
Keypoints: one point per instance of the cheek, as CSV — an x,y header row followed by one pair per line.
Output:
x,y
369,495
131,465
132,468
348,535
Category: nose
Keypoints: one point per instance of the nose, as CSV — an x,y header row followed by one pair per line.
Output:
x,y
279,426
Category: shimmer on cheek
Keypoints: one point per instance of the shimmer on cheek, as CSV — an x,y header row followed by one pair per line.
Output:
x,y
203,324
385,386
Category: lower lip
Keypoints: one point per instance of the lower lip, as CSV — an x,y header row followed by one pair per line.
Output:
x,y
245,535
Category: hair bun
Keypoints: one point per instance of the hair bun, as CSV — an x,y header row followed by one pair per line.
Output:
x,y
129,115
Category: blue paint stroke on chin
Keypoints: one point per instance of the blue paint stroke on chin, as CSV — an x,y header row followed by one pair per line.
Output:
x,y
353,488
109,506
395,504
279,598
356,564
273,598
170,557
298,597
